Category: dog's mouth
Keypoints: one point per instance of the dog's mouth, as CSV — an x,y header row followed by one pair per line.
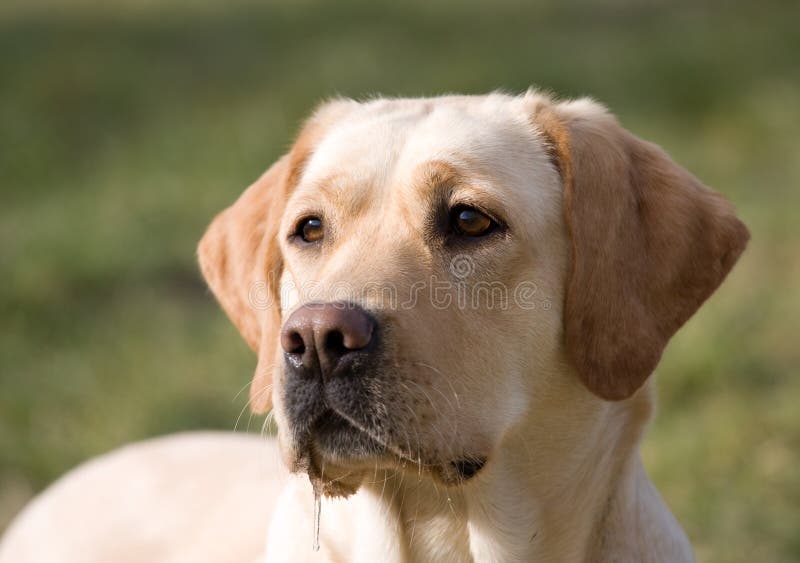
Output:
x,y
338,439
337,454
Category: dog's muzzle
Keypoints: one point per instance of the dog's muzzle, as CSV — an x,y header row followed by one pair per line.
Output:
x,y
331,352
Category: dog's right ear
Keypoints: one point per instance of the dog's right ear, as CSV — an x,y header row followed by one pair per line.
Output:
x,y
240,259
240,253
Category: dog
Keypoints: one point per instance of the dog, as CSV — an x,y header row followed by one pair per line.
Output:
x,y
457,304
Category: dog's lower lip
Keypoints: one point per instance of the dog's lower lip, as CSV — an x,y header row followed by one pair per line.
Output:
x,y
326,432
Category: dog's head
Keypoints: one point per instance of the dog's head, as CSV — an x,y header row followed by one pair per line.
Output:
x,y
420,276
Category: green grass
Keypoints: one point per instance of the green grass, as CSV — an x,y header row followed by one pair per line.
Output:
x,y
124,129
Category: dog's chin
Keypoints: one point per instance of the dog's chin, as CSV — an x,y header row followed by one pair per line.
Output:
x,y
337,456
330,479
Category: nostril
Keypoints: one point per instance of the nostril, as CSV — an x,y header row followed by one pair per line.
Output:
x,y
292,342
347,332
334,343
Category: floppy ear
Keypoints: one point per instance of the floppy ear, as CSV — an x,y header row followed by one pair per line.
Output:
x,y
240,259
650,243
240,256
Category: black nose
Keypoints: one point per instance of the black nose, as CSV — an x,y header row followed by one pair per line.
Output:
x,y
319,337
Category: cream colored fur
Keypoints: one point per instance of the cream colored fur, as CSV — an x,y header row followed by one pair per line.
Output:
x,y
563,481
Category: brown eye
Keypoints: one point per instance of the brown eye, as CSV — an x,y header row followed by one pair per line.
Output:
x,y
470,222
310,229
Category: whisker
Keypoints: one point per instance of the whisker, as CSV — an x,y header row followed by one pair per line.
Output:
x,y
261,393
443,377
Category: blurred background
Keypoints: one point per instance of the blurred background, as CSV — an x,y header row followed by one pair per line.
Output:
x,y
126,125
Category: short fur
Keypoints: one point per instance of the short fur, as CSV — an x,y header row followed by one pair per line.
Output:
x,y
480,431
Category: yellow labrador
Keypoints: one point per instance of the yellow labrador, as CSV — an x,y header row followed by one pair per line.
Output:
x,y
456,304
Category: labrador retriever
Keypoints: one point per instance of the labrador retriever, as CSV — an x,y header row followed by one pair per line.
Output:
x,y
456,303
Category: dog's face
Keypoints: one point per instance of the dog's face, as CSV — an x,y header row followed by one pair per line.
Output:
x,y
420,277
429,216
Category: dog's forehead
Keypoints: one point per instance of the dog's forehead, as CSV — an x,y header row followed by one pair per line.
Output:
x,y
379,145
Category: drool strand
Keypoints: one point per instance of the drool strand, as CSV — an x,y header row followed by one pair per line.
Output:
x,y
317,513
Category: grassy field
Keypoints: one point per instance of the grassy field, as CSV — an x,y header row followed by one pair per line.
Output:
x,y
125,127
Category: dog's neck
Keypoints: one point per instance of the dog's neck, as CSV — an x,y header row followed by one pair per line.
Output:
x,y
574,498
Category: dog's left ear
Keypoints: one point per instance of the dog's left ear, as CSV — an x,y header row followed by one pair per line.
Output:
x,y
240,253
650,243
